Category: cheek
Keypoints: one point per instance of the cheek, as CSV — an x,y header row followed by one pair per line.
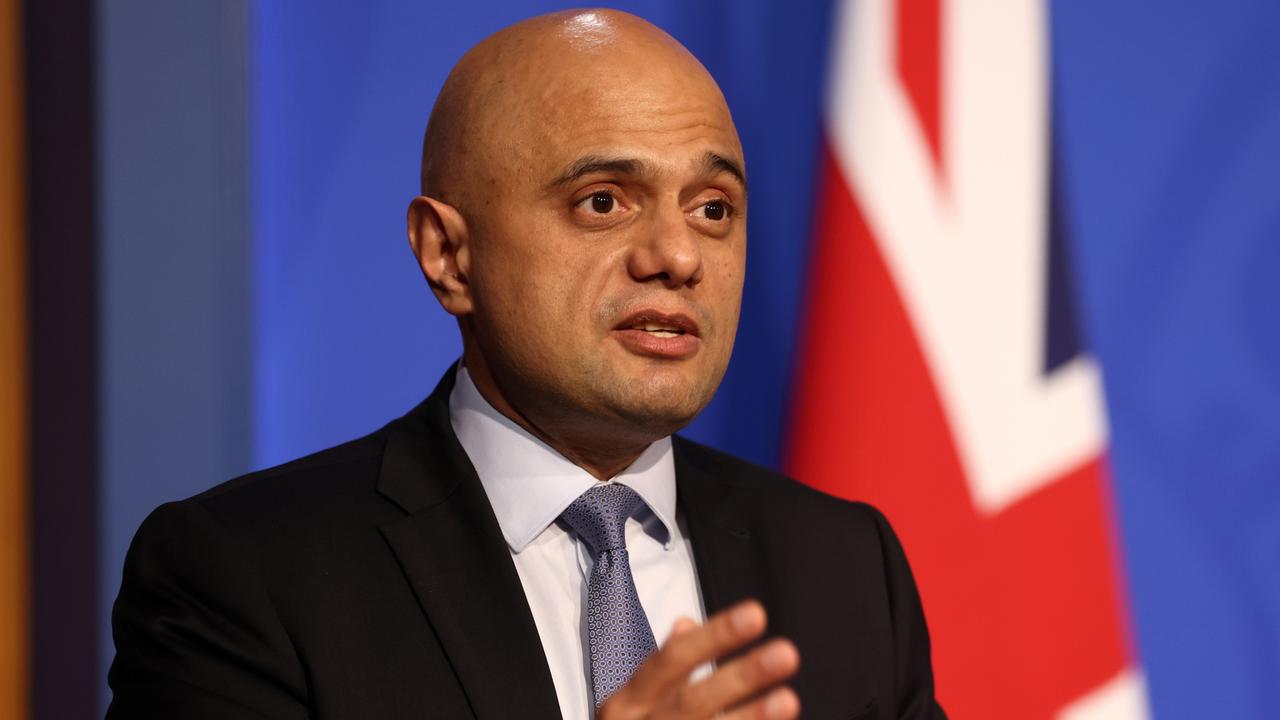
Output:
x,y
728,269
544,280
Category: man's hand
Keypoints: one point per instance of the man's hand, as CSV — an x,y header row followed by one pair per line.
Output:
x,y
745,687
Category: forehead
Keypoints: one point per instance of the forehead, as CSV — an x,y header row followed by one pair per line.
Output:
x,y
667,111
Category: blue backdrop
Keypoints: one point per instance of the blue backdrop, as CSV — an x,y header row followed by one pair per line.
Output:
x,y
347,334
1170,131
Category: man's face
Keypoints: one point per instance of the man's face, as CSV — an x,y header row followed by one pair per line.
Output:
x,y
609,246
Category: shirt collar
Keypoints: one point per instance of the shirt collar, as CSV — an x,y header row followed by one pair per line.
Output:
x,y
529,484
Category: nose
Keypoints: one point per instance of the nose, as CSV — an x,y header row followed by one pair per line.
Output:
x,y
667,250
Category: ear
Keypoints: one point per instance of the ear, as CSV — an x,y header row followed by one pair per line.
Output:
x,y
438,237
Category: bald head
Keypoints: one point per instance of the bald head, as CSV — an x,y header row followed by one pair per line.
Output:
x,y
584,217
505,95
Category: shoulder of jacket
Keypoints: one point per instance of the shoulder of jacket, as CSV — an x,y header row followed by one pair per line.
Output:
x,y
776,486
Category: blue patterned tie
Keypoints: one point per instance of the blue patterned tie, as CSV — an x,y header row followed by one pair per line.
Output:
x,y
619,631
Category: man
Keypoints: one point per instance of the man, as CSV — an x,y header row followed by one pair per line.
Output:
x,y
519,544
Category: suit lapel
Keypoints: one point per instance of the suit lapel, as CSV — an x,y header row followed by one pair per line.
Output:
x,y
452,552
718,514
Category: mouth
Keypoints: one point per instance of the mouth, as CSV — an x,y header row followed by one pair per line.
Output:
x,y
657,334
660,324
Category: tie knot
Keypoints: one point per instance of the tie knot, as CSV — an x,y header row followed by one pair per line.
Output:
x,y
599,516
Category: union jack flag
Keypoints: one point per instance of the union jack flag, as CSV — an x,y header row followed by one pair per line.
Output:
x,y
942,376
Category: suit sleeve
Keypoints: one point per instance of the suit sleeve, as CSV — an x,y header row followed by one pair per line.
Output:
x,y
913,664
196,633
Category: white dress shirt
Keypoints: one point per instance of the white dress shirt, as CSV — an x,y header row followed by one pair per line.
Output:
x,y
529,485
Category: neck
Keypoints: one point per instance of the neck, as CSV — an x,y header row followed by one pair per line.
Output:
x,y
602,460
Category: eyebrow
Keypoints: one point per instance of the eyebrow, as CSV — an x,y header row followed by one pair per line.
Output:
x,y
711,163
592,164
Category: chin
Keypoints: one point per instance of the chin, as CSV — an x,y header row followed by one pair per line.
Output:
x,y
655,423
662,411
656,398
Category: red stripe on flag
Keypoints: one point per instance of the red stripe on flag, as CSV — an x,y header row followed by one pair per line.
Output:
x,y
919,67
1023,606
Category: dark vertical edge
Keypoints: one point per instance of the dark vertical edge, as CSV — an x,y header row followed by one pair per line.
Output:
x,y
1063,340
62,213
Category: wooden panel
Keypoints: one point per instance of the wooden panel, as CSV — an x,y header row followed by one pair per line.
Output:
x,y
14,596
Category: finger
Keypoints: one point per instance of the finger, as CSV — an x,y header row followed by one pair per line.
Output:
x,y
682,626
781,704
613,707
737,681
669,668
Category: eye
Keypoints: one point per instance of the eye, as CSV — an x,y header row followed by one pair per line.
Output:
x,y
712,210
600,202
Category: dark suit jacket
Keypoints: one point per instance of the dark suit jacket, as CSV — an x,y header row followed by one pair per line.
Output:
x,y
371,581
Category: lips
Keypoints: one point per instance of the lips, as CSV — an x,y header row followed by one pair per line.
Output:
x,y
660,335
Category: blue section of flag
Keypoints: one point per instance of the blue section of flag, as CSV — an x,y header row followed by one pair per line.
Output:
x,y
1171,122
